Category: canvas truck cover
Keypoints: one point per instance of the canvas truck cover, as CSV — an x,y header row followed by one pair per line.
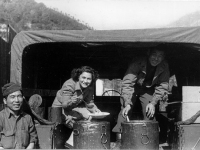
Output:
x,y
186,35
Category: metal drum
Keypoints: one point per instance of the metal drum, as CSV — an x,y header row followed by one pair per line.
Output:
x,y
92,135
140,134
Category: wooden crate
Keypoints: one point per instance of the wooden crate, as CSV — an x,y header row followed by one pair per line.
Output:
x,y
191,102
45,136
188,137
52,137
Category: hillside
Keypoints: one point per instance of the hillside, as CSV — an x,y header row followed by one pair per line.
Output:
x,y
189,20
29,15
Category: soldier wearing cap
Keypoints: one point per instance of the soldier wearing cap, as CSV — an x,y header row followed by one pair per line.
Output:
x,y
16,127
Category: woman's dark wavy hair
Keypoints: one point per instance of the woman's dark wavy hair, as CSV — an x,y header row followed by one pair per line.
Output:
x,y
77,72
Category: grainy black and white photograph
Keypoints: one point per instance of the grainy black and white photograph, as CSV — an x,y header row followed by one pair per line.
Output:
x,y
100,74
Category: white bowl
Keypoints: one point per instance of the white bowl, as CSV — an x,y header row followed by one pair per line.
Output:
x,y
99,115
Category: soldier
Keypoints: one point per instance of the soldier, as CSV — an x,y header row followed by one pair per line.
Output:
x,y
147,79
17,128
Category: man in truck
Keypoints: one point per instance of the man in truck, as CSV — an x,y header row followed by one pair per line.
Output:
x,y
146,80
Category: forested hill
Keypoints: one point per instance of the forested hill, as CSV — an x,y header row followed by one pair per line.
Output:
x,y
30,15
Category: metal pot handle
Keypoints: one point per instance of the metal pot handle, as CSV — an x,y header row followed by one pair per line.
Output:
x,y
143,140
103,134
76,132
145,135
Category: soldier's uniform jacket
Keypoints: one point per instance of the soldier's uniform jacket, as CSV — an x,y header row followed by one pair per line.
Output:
x,y
136,73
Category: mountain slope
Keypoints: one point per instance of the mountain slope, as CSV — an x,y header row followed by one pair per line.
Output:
x,y
189,20
29,15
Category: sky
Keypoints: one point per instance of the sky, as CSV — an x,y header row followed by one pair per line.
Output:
x,y
125,14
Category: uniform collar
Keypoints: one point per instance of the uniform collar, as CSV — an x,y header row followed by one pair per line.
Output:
x,y
77,86
9,113
159,68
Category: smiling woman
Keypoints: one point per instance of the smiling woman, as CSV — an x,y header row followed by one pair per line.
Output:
x,y
75,98
85,80
78,92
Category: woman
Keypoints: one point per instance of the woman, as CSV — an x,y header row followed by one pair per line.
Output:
x,y
76,97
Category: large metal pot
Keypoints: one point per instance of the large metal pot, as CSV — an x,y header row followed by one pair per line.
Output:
x,y
92,135
140,134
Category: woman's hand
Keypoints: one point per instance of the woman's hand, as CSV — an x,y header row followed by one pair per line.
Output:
x,y
75,99
69,120
94,110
